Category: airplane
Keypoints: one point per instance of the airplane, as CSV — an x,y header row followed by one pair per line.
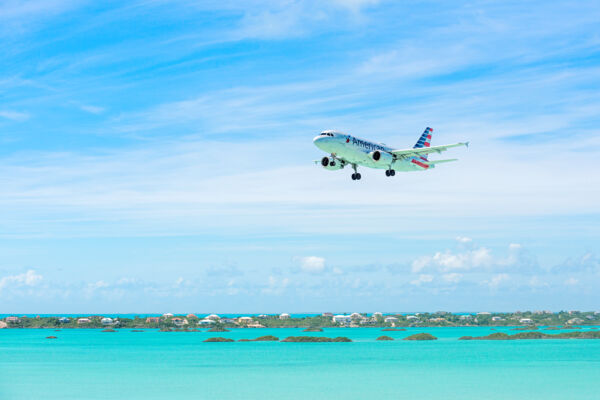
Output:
x,y
346,149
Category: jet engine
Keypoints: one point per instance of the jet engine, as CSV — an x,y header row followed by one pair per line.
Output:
x,y
382,157
331,163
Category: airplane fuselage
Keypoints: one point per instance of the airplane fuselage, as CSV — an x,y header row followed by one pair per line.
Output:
x,y
353,150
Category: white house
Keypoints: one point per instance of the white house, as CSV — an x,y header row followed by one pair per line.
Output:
x,y
342,319
496,318
106,321
13,320
409,317
526,321
355,315
245,320
167,315
377,315
84,321
214,317
390,320
284,316
206,321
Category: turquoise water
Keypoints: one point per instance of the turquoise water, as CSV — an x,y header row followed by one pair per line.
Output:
x,y
89,364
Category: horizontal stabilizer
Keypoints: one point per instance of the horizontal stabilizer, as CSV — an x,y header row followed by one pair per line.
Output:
x,y
441,161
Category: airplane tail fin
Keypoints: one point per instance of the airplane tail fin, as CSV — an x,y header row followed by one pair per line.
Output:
x,y
424,141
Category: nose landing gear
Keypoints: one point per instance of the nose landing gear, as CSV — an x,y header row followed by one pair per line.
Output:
x,y
390,172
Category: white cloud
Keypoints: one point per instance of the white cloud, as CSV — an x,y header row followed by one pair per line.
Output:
x,y
497,280
452,277
312,264
14,115
29,278
423,278
463,239
571,281
92,109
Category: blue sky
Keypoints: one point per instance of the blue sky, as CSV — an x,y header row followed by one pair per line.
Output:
x,y
157,156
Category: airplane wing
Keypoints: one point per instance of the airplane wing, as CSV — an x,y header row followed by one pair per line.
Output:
x,y
425,150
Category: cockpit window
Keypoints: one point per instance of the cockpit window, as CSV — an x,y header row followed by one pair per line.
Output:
x,y
327,134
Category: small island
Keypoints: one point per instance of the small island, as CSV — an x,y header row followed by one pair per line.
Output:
x,y
384,338
420,336
267,338
313,329
218,340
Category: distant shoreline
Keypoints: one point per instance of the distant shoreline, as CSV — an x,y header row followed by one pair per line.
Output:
x,y
518,321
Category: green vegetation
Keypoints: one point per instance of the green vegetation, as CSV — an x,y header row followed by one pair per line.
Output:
x,y
536,335
218,340
315,339
385,338
267,338
313,329
51,337
108,330
218,329
420,336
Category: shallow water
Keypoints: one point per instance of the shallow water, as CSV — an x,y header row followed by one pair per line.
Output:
x,y
89,364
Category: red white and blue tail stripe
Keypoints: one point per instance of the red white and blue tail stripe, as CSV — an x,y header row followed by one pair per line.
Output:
x,y
424,141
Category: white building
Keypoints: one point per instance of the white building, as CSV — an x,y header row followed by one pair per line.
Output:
x,y
84,321
106,321
496,318
377,315
390,320
284,316
526,321
167,315
245,320
214,317
342,319
206,321
409,317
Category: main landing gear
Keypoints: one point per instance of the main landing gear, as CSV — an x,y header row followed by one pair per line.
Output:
x,y
390,172
355,176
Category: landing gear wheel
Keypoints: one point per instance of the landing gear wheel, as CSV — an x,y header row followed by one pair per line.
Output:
x,y
392,172
353,177
387,172
358,176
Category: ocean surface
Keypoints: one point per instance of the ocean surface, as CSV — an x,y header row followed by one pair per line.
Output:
x,y
90,364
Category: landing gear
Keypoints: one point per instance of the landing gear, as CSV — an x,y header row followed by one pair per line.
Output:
x,y
390,172
355,176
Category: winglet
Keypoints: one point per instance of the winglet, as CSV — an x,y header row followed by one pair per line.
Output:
x,y
467,144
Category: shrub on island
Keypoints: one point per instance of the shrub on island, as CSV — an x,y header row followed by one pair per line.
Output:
x,y
51,337
313,329
108,330
420,336
315,339
218,329
218,340
384,338
267,338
